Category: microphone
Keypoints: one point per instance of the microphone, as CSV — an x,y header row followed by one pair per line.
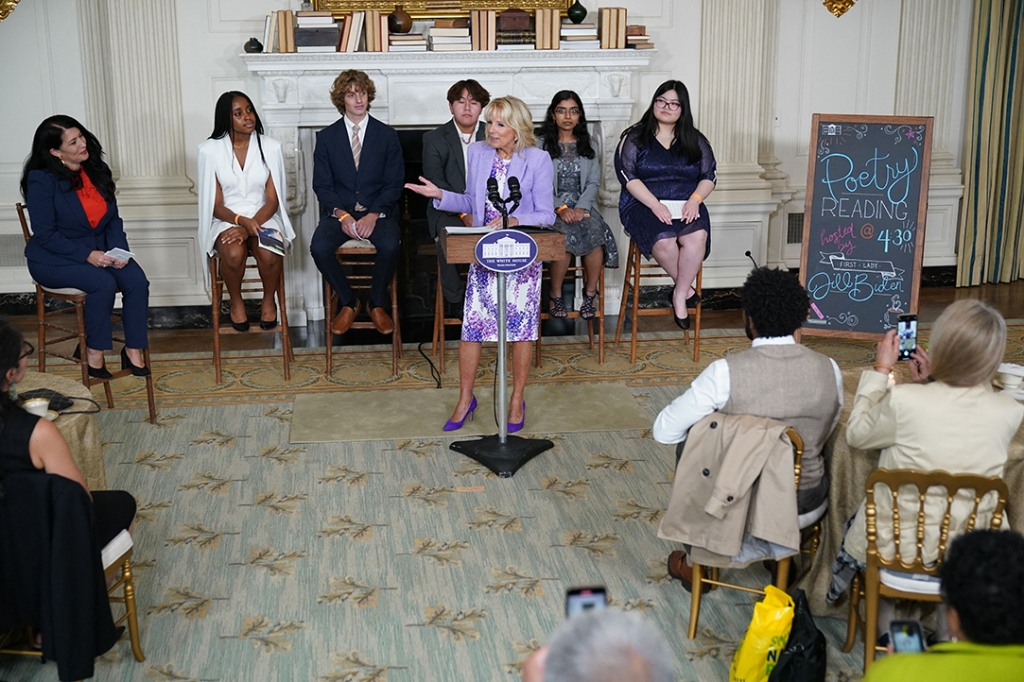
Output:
x,y
747,254
515,195
492,192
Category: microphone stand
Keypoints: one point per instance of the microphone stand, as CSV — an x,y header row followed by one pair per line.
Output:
x,y
501,454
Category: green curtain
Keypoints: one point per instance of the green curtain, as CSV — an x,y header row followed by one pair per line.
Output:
x,y
991,242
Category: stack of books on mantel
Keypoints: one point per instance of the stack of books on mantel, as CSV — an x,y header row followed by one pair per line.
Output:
x,y
316,32
613,28
513,41
408,42
579,36
483,29
450,35
637,38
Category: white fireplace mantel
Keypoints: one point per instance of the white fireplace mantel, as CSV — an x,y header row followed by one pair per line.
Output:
x,y
411,93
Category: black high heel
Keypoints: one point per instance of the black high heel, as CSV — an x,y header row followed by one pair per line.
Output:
x,y
94,372
240,326
693,301
126,363
681,322
264,325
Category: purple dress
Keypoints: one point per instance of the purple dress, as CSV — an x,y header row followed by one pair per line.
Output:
x,y
667,177
522,290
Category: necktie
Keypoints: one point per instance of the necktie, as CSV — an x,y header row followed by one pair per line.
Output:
x,y
357,147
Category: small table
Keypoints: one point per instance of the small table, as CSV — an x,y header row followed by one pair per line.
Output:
x,y
849,469
81,431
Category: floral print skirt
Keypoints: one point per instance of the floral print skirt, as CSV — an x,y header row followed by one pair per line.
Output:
x,y
522,304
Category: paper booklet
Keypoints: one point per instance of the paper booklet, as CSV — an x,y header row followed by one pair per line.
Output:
x,y
455,229
120,254
116,548
270,239
675,207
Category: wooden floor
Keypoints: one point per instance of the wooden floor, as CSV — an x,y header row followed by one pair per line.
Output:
x,y
1007,298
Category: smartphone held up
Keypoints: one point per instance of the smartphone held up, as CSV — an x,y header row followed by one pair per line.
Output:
x,y
906,331
580,599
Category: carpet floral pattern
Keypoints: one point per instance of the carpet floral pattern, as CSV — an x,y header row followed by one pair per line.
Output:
x,y
389,560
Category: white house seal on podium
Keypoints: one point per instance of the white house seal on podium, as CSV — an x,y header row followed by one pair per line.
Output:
x,y
506,250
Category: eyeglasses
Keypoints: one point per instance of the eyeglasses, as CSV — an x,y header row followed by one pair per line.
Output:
x,y
562,111
671,105
26,353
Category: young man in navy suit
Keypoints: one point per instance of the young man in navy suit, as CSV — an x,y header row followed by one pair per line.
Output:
x,y
444,164
358,174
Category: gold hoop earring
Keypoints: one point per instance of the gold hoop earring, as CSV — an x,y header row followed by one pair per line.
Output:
x,y
62,162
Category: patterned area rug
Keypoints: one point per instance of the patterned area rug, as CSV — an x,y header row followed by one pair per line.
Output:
x,y
394,560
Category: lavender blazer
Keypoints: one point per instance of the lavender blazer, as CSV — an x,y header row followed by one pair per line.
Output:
x,y
536,176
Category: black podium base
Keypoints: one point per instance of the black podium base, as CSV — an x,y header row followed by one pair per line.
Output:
x,y
503,459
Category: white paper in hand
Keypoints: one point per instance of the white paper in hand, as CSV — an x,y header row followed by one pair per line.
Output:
x,y
120,254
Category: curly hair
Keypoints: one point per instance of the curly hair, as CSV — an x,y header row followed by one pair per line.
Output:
x,y
352,79
774,301
983,579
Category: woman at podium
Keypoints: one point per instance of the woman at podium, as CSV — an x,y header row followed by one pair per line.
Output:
x,y
667,168
507,154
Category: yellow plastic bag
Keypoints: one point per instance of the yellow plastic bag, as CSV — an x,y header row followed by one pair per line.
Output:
x,y
765,639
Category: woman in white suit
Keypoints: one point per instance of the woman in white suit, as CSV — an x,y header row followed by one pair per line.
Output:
x,y
241,193
947,419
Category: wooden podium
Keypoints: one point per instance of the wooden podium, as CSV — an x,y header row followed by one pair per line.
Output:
x,y
461,248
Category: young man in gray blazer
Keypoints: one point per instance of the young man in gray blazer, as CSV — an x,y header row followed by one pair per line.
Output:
x,y
444,164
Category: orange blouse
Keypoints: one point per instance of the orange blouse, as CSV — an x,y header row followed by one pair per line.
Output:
x,y
93,203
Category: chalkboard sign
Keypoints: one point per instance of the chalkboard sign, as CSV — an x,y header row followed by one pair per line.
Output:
x,y
863,242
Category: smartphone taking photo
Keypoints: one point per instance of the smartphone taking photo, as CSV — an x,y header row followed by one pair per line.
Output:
x,y
906,637
906,330
580,599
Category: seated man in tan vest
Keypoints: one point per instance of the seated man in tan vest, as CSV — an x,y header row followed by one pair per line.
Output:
x,y
775,378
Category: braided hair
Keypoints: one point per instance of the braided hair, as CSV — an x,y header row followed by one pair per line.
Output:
x,y
11,345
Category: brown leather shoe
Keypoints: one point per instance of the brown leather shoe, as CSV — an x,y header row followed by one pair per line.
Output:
x,y
683,572
381,320
345,317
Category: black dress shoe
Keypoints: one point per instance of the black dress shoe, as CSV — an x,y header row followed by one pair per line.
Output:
x,y
693,301
240,326
681,322
126,363
265,325
94,372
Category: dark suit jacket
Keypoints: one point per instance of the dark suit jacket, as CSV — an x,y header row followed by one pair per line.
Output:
x,y
61,234
376,185
444,166
51,574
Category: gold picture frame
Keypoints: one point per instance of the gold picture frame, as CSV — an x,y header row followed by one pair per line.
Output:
x,y
431,9
6,7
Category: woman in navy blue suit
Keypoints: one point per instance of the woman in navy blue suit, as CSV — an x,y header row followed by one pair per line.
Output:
x,y
70,195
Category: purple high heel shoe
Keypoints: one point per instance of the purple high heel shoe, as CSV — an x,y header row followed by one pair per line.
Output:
x,y
513,427
452,425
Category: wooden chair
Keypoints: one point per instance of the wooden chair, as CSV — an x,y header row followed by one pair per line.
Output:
x,y
440,322
810,527
882,576
635,270
55,320
577,274
359,255
251,283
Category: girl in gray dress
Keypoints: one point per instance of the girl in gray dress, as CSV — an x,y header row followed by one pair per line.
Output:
x,y
564,136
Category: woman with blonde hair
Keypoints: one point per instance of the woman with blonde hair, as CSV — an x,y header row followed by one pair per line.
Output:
x,y
947,419
507,153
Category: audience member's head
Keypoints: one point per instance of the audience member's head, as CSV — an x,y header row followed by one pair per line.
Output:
x,y
352,81
774,303
603,646
967,343
12,355
471,89
514,113
983,587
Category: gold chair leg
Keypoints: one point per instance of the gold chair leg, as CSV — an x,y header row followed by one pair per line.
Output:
x,y
852,615
782,573
131,611
695,594
870,617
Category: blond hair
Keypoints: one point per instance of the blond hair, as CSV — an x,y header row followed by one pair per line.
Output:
x,y
967,343
514,113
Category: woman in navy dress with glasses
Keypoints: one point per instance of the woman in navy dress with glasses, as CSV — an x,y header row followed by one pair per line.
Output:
x,y
665,158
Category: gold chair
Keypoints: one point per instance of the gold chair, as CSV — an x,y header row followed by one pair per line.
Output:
x,y
48,320
635,270
356,254
250,284
577,273
881,578
810,526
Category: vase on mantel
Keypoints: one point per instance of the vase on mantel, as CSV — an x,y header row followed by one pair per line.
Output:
x,y
399,21
577,13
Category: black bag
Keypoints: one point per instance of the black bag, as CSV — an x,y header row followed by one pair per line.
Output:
x,y
804,658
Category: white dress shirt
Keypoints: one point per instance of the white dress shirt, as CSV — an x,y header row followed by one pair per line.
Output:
x,y
709,393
